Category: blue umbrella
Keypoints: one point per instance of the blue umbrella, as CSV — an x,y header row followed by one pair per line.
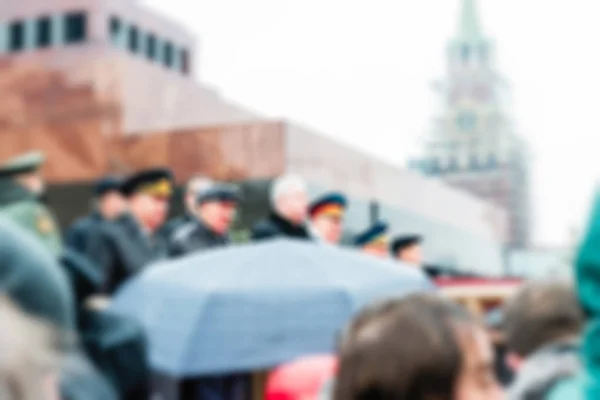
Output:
x,y
255,306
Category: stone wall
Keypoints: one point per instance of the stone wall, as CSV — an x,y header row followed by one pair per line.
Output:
x,y
41,109
79,127
227,152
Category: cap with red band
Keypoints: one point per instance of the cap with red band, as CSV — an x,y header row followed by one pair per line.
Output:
x,y
332,204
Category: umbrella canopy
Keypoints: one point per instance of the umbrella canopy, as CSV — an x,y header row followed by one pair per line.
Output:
x,y
304,378
257,305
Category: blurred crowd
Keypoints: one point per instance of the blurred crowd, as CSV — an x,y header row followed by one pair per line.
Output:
x,y
59,341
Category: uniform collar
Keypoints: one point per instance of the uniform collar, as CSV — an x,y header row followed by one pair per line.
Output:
x,y
12,192
97,215
207,230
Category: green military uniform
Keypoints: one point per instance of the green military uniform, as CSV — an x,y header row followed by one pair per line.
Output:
x,y
22,206
587,273
36,283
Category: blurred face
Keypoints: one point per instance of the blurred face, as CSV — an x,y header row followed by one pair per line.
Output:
x,y
411,255
329,227
218,215
477,380
194,187
294,206
150,211
378,250
112,205
33,182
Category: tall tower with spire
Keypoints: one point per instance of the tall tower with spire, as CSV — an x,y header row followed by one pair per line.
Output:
x,y
472,143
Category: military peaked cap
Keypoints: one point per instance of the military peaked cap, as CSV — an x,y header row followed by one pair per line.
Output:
x,y
23,163
219,192
155,182
107,184
376,233
332,204
402,242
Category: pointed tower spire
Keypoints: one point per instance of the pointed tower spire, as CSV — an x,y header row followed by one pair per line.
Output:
x,y
469,28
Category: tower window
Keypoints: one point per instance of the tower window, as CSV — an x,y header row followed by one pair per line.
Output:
x,y
452,164
474,162
168,54
43,37
465,52
115,27
185,61
133,40
151,47
75,27
16,36
434,165
466,121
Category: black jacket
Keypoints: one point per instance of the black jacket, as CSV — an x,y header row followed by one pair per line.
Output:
x,y
275,226
118,347
78,234
195,236
121,249
173,225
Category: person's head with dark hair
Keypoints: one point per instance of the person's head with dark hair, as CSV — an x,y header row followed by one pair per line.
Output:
x,y
540,314
421,347
108,197
542,324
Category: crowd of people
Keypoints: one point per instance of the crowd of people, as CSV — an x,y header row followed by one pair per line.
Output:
x,y
419,347
129,228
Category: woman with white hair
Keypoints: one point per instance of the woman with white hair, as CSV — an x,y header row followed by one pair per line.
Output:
x,y
289,207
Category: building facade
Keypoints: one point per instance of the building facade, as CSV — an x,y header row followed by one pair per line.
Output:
x,y
106,86
472,143
123,49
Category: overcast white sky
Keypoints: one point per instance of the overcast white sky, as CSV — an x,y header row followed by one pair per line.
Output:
x,y
361,70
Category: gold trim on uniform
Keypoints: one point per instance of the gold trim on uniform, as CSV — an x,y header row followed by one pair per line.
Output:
x,y
161,188
44,224
331,210
380,240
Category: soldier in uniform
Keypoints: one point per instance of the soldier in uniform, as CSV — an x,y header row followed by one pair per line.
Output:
x,y
214,214
407,248
192,189
21,186
109,205
32,278
123,248
327,217
374,240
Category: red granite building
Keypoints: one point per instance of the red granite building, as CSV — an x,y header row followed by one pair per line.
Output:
x,y
108,86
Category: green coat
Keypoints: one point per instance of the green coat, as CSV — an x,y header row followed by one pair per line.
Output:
x,y
587,275
21,206
33,279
